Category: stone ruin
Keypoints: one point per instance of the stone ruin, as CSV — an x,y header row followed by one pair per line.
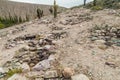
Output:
x,y
110,34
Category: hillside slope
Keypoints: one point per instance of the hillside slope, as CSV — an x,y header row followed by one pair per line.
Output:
x,y
80,41
21,9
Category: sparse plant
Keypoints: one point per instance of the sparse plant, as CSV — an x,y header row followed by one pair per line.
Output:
x,y
55,7
13,71
96,8
39,13
94,2
51,10
27,17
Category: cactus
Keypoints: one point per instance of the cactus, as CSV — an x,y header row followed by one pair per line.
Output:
x,y
55,9
84,2
51,10
27,17
20,19
39,13
94,2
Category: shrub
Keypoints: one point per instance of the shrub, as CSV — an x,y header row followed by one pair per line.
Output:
x,y
2,26
51,10
96,8
39,13
13,71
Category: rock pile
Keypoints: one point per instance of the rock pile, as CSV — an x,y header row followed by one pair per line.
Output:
x,y
75,19
36,50
110,34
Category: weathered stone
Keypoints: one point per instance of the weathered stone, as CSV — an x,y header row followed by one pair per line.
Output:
x,y
32,64
68,72
100,42
26,59
79,77
2,70
39,79
25,67
94,38
64,22
42,65
51,58
32,48
102,46
51,74
48,47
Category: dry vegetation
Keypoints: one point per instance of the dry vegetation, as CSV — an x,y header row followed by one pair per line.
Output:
x,y
22,9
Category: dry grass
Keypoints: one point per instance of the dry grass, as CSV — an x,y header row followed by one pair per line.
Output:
x,y
22,9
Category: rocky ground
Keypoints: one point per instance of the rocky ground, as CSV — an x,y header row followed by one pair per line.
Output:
x,y
79,44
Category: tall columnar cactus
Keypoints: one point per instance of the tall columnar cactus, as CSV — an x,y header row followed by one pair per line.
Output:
x,y
84,2
55,7
39,13
94,2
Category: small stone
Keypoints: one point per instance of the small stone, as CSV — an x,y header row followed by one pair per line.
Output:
x,y
79,77
25,67
68,72
42,65
32,64
51,57
47,47
21,42
94,38
102,46
51,74
64,22
26,48
32,48
26,59
39,79
100,42
2,70
54,42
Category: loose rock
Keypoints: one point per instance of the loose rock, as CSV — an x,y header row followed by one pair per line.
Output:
x,y
51,74
25,67
42,65
79,77
68,72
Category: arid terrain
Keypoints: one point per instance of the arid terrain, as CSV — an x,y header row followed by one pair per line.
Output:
x,y
22,9
80,41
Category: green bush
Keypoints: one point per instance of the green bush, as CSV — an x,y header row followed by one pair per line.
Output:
x,y
9,20
2,26
115,4
96,8
13,71
112,4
